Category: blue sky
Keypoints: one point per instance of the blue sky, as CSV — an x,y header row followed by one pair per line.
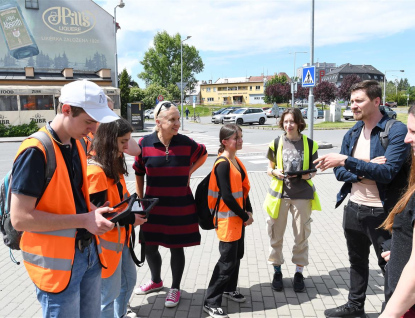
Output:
x,y
246,38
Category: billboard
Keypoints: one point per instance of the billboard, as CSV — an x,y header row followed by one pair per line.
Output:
x,y
56,34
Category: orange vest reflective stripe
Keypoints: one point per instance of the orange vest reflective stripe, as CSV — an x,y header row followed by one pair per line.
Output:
x,y
48,256
229,224
112,242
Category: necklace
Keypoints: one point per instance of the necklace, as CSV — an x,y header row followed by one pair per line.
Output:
x,y
167,147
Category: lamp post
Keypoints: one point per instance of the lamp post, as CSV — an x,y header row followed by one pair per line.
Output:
x,y
121,5
181,75
292,93
384,83
396,86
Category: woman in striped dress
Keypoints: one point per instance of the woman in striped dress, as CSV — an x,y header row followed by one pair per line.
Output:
x,y
168,159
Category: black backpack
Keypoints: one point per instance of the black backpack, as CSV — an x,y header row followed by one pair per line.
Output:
x,y
205,217
11,237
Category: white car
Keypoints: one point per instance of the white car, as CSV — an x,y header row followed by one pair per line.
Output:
x,y
348,114
149,114
218,118
246,115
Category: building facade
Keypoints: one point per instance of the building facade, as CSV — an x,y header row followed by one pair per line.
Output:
x,y
365,72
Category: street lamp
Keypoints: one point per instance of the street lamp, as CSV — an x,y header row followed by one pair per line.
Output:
x,y
121,5
396,86
292,96
181,75
384,83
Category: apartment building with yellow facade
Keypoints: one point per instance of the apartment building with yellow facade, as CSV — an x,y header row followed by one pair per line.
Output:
x,y
235,90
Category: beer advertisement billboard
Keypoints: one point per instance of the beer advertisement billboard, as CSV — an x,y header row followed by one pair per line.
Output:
x,y
56,34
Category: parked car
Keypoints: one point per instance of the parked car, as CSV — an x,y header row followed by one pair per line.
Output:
x,y
318,112
348,114
149,114
216,112
386,109
246,115
218,119
391,104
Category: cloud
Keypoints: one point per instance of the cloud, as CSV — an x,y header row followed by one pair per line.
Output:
x,y
253,27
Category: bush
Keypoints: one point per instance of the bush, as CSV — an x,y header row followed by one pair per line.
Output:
x,y
19,130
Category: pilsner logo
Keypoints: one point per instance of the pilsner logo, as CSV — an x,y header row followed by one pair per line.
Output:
x,y
66,21
37,118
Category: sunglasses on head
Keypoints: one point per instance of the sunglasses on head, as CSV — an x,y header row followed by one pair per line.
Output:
x,y
165,105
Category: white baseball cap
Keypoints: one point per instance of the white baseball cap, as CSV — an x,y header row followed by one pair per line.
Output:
x,y
90,97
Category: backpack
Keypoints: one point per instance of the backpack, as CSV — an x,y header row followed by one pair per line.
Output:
x,y
205,217
11,237
383,135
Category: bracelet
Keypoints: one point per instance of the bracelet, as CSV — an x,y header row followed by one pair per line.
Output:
x,y
309,175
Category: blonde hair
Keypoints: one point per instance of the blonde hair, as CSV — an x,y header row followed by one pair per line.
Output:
x,y
159,111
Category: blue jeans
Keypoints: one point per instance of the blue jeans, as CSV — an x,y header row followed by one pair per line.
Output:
x,y
117,289
360,224
81,298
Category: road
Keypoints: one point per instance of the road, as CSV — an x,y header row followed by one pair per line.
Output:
x,y
256,140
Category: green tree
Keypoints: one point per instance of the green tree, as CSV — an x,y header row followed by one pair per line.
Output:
x,y
162,62
151,92
125,79
136,94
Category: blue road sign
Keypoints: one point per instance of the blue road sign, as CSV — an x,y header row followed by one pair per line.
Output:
x,y
309,76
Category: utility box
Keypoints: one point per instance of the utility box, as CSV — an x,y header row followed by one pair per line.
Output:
x,y
335,112
135,115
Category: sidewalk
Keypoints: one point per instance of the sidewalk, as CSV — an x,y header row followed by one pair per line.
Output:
x,y
326,277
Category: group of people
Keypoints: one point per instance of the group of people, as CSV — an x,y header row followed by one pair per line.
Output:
x,y
82,265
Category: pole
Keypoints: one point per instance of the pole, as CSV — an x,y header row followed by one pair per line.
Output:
x,y
116,55
181,79
384,88
311,96
292,93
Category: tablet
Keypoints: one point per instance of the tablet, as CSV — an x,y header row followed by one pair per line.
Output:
x,y
121,210
300,172
144,206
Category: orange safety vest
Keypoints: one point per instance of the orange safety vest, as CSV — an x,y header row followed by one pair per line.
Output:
x,y
229,224
88,141
112,242
48,256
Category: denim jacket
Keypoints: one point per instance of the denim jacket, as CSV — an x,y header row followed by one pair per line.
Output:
x,y
391,177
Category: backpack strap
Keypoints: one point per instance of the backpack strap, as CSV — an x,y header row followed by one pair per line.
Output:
x,y
384,135
46,141
83,144
310,152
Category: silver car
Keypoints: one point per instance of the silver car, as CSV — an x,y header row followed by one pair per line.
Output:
x,y
218,118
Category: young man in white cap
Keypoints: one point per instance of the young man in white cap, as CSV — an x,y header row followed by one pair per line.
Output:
x,y
60,247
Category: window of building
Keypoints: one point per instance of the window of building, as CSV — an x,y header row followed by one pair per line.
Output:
x,y
341,76
369,76
381,77
214,89
8,103
257,88
376,77
208,89
250,88
32,4
210,99
36,102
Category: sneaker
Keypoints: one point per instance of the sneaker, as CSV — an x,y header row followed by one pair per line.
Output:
x,y
277,281
215,312
235,296
299,285
149,288
173,298
345,311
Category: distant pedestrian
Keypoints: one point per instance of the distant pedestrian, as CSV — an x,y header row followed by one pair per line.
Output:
x,y
229,178
187,111
296,194
168,159
375,175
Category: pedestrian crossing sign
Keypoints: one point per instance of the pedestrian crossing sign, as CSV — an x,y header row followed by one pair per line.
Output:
x,y
309,76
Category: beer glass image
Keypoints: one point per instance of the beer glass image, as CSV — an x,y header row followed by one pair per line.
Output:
x,y
19,39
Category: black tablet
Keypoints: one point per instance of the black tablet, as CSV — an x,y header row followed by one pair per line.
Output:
x,y
144,206
300,172
121,210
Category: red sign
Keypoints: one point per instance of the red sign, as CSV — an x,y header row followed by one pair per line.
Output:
x,y
160,98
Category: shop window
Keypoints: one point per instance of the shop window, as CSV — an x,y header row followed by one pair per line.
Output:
x,y
36,102
8,103
32,4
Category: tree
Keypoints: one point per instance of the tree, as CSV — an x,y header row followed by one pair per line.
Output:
x,y
151,92
124,91
162,63
403,84
344,89
325,92
136,94
302,92
277,93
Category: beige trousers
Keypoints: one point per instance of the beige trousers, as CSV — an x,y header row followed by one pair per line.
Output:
x,y
301,212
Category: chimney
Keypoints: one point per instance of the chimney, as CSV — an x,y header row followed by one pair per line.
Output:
x,y
29,72
68,72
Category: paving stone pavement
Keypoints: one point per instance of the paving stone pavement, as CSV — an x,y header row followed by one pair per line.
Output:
x,y
326,278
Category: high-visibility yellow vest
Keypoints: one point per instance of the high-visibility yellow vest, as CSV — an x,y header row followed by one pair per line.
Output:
x,y
273,197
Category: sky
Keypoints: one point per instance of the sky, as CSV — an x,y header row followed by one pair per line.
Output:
x,y
237,38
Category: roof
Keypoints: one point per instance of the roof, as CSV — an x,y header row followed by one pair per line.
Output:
x,y
354,69
227,80
260,78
